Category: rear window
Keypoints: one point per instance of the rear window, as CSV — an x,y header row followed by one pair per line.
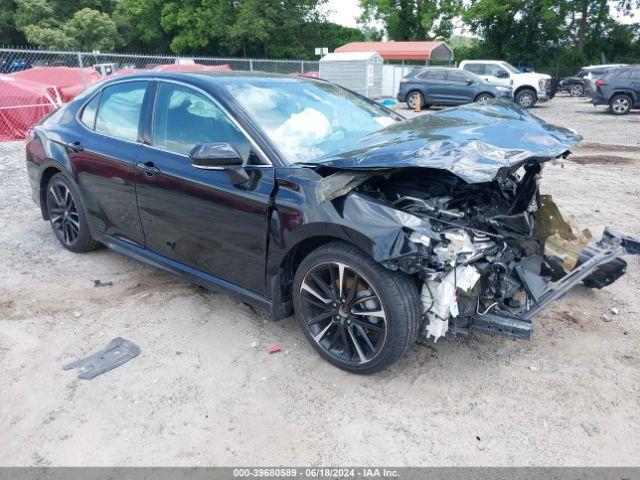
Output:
x,y
88,116
119,111
432,75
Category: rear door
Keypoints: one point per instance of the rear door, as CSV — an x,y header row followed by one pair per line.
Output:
x,y
103,154
434,86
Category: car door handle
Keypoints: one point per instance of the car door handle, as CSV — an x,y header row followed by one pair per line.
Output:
x,y
75,146
149,168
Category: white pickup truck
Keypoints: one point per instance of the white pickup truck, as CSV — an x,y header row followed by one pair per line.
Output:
x,y
528,88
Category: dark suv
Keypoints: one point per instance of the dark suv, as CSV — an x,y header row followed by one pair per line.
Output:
x,y
446,86
620,89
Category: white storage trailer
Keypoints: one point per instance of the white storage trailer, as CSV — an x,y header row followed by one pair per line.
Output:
x,y
357,71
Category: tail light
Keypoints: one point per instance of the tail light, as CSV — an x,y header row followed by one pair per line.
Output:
x,y
600,83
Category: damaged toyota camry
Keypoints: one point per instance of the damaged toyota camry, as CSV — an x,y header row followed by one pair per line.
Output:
x,y
300,196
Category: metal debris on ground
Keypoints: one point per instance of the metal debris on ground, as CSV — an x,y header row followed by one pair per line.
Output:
x,y
100,283
118,352
589,428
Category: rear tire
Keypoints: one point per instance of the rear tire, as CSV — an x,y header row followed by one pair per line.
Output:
x,y
620,104
483,97
332,318
413,98
526,98
67,215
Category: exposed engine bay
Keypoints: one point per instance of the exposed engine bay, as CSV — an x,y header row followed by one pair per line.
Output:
x,y
495,253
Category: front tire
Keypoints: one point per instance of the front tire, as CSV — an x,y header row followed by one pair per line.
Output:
x,y
356,314
67,215
576,91
620,104
526,98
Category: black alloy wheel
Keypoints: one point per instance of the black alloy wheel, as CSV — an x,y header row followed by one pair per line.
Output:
x,y
63,213
67,216
358,315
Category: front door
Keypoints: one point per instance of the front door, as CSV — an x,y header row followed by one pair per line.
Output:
x,y
197,217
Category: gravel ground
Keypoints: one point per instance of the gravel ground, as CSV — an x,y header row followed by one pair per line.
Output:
x,y
200,394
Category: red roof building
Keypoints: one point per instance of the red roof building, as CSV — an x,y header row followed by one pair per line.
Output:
x,y
421,51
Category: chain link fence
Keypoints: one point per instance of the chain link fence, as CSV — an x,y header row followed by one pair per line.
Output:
x,y
36,82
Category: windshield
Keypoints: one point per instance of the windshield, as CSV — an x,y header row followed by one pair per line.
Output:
x,y
309,119
510,67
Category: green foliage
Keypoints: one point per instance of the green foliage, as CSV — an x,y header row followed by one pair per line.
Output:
x,y
413,19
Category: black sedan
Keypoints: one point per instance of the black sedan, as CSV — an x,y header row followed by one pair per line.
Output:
x,y
301,196
446,86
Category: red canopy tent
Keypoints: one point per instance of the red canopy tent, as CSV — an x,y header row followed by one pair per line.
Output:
x,y
23,103
69,81
423,51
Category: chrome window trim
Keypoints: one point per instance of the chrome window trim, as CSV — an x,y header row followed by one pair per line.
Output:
x,y
263,157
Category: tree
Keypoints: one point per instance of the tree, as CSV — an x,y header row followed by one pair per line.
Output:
x,y
413,19
86,29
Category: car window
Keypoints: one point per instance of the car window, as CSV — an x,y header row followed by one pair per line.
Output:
x,y
432,75
477,68
119,111
496,71
635,74
88,116
184,118
458,77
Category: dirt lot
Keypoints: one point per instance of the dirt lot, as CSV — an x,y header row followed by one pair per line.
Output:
x,y
199,394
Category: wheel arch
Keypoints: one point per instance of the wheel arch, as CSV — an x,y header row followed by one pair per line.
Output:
x,y
47,173
630,93
282,279
525,87
475,99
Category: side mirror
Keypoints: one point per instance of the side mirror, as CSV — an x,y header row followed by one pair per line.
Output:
x,y
503,75
215,156
219,156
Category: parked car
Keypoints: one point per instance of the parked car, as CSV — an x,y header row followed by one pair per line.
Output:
x,y
620,89
14,65
582,83
446,86
298,195
528,88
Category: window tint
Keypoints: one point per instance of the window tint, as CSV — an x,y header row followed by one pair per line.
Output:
x,y
88,116
477,68
635,74
119,110
458,77
184,118
432,75
496,71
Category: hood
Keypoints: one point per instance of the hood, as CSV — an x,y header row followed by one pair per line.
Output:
x,y
533,76
477,142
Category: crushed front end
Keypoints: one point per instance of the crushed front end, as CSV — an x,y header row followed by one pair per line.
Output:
x,y
496,253
490,251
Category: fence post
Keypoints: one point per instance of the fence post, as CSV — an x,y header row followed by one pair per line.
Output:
x,y
84,78
251,65
302,67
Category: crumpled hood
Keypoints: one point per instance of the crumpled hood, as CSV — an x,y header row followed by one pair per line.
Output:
x,y
476,142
